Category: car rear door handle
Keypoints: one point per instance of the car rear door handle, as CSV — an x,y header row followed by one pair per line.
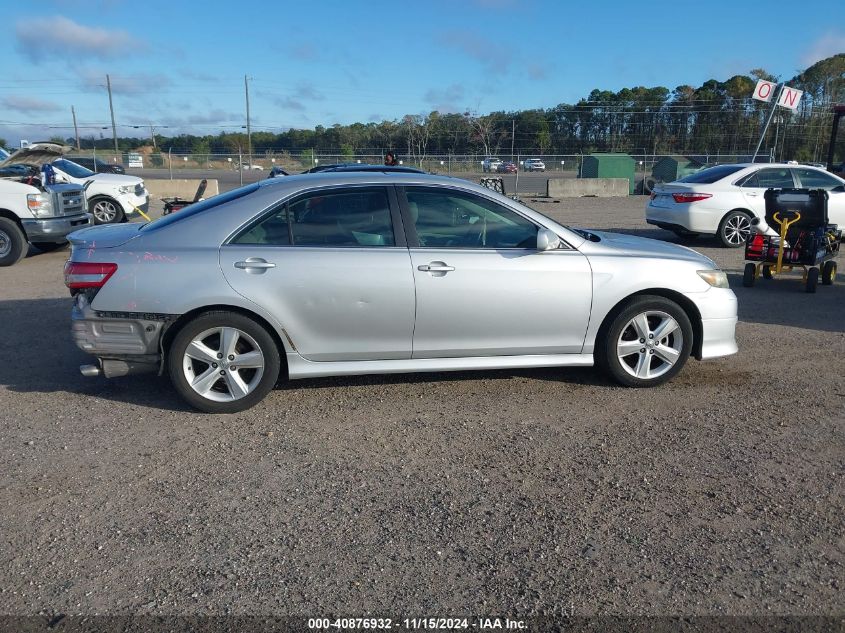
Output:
x,y
254,265
753,194
435,267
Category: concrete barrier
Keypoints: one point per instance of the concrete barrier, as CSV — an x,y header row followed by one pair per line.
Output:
x,y
579,187
185,188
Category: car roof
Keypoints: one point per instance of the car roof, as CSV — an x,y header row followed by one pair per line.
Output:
x,y
362,167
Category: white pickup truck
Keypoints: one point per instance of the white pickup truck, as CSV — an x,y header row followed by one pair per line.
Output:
x,y
32,213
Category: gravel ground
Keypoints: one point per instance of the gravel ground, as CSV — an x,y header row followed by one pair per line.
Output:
x,y
519,492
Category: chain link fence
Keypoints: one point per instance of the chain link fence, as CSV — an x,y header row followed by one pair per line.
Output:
x,y
439,163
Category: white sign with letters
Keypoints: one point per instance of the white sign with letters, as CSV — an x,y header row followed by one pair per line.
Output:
x,y
764,90
790,97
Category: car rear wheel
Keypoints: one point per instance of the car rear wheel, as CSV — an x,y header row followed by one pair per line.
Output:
x,y
106,211
223,362
647,342
735,229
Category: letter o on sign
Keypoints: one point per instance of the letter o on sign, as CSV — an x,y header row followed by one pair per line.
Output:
x,y
763,90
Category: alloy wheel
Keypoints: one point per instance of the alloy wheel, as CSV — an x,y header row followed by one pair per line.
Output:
x,y
5,244
223,364
737,229
105,211
650,345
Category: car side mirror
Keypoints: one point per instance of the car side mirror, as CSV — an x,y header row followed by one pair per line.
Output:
x,y
547,240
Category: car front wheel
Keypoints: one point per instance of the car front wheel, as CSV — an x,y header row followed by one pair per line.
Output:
x,y
106,211
646,343
734,229
223,362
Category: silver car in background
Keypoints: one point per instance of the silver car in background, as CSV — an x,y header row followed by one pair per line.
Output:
x,y
362,273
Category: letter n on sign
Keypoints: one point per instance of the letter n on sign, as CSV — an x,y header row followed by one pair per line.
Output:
x,y
790,97
764,90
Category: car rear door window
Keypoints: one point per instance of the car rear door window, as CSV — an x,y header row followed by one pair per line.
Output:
x,y
815,179
775,178
352,217
446,218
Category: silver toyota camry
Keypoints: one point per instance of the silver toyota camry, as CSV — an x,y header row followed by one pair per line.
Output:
x,y
362,273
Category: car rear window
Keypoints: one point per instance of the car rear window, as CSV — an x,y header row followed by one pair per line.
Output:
x,y
712,174
199,207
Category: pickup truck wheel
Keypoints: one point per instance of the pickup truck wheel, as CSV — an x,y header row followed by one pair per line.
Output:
x,y
13,246
46,247
105,211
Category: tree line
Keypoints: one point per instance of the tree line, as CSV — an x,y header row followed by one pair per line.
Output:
x,y
716,117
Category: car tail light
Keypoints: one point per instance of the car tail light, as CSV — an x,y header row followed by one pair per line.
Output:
x,y
81,275
690,197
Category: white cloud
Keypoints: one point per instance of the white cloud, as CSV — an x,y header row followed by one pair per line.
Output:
x,y
123,84
445,100
58,37
29,104
829,44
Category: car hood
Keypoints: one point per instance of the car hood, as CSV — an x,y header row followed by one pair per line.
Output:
x,y
37,154
106,235
120,180
646,247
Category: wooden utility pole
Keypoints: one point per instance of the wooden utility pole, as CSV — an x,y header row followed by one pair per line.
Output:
x,y
248,129
75,129
111,109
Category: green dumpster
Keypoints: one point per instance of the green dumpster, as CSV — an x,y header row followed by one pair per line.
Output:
x,y
609,166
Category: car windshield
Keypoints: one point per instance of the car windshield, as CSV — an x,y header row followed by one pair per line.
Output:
x,y
69,167
199,207
712,174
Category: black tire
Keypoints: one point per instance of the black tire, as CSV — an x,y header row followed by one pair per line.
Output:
x,y
749,275
13,244
812,280
46,247
105,210
608,353
221,399
767,272
829,273
734,229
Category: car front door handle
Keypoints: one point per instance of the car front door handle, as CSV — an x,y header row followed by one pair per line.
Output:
x,y
254,265
435,267
753,194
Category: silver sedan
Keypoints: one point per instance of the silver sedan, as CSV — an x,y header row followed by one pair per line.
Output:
x,y
362,273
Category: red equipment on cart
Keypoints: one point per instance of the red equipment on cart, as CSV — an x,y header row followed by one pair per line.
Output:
x,y
805,239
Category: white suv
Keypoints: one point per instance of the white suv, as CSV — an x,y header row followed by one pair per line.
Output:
x,y
490,164
534,164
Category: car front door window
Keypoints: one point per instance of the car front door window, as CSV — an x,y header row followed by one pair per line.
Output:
x,y
454,219
814,179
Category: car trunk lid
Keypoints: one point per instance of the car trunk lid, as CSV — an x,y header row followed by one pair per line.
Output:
x,y
105,236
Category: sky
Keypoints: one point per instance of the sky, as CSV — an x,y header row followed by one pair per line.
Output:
x,y
179,66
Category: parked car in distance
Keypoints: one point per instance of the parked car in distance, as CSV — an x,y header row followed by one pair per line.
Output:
x,y
507,168
490,164
96,165
277,278
533,164
722,200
